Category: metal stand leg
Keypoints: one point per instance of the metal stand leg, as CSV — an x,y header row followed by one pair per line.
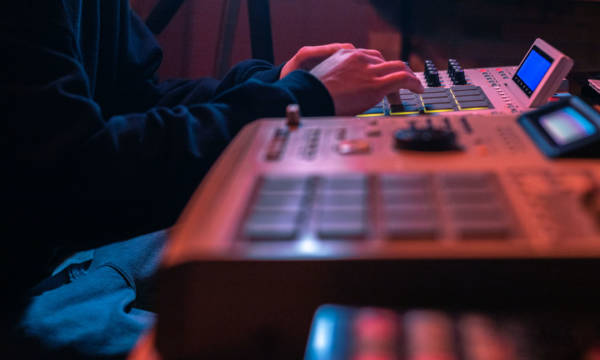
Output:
x,y
229,18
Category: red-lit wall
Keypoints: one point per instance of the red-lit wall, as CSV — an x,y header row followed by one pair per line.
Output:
x,y
477,32
190,40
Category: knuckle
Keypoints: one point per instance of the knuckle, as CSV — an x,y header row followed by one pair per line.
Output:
x,y
355,54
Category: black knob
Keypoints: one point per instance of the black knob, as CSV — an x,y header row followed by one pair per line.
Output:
x,y
425,139
433,78
452,67
459,77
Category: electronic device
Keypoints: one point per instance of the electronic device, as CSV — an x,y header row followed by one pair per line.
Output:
x,y
342,332
496,90
566,128
467,211
539,74
450,186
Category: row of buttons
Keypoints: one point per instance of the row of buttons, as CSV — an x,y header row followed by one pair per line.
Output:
x,y
494,83
522,85
312,138
556,200
410,206
503,74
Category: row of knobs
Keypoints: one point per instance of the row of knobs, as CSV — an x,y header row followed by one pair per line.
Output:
x,y
428,138
431,74
455,72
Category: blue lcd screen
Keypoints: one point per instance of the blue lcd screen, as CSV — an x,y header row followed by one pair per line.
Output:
x,y
566,126
532,70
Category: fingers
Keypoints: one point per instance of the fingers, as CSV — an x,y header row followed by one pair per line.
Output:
x,y
347,46
325,51
372,59
388,67
396,74
372,52
400,80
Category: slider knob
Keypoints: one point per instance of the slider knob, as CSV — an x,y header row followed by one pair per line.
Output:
x,y
292,114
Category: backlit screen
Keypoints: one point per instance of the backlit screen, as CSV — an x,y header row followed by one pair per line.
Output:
x,y
532,71
566,126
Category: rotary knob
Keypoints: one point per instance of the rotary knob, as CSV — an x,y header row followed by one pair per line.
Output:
x,y
425,139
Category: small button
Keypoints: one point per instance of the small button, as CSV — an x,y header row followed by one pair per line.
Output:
x,y
410,212
284,184
343,183
275,231
373,132
279,201
478,212
342,224
352,147
428,229
469,196
484,229
342,200
404,181
272,224
482,150
467,180
412,196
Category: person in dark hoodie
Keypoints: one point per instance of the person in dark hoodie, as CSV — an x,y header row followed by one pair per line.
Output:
x,y
97,151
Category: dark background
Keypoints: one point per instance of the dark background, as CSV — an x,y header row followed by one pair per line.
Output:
x,y
476,32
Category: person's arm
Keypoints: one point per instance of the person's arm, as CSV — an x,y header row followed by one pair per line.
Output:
x,y
94,175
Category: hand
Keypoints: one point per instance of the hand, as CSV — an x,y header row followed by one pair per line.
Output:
x,y
310,56
357,79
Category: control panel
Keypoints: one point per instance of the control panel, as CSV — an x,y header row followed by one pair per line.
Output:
x,y
453,211
437,187
496,90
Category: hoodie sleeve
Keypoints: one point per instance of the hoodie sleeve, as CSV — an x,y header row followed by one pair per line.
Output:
x,y
100,168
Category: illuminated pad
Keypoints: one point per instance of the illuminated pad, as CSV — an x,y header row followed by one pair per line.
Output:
x,y
411,207
471,97
456,98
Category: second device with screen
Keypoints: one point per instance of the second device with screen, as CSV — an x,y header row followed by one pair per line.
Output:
x,y
539,74
569,128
